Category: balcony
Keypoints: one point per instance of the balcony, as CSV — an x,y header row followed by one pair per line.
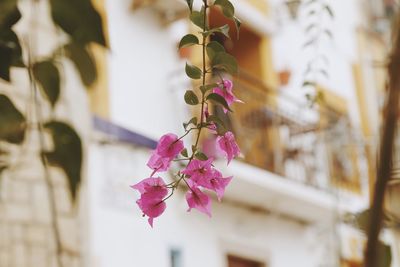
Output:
x,y
294,156
278,134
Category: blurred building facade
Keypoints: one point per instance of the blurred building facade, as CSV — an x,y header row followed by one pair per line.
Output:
x,y
304,166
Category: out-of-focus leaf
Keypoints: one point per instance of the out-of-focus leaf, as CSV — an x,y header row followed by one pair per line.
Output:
x,y
10,53
47,75
12,122
227,8
329,10
67,153
83,61
214,48
200,155
188,40
191,98
9,13
238,24
190,4
384,255
362,220
208,87
5,63
309,83
328,33
217,99
79,19
193,72
225,61
197,17
216,120
191,121
184,153
223,29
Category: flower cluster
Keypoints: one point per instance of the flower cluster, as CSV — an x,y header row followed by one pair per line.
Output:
x,y
199,173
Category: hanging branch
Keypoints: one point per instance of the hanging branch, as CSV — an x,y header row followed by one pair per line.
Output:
x,y
385,153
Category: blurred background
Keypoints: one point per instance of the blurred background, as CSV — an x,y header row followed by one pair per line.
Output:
x,y
312,76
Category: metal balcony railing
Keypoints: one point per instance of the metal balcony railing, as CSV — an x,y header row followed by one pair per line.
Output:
x,y
309,146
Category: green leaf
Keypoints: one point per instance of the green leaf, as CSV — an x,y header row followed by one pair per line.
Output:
x,y
207,87
384,253
197,17
10,53
223,29
47,75
190,4
9,14
362,220
83,61
5,62
191,98
200,155
238,24
225,61
12,122
216,120
193,71
214,48
191,121
227,8
79,19
67,153
218,99
188,40
184,153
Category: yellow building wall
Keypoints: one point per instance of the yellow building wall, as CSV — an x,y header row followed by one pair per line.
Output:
x,y
98,92
260,5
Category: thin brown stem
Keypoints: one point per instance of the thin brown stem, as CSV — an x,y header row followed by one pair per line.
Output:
x,y
47,176
203,44
39,120
385,155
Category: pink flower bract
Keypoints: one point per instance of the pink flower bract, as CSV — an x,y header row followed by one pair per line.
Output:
x,y
169,146
216,183
196,199
153,191
158,163
228,146
199,169
226,93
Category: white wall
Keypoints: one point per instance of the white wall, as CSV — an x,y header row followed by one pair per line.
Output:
x,y
143,54
122,237
289,52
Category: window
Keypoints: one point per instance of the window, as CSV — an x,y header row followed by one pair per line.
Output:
x,y
234,261
176,258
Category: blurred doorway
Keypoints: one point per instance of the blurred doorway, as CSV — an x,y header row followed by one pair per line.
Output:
x,y
234,261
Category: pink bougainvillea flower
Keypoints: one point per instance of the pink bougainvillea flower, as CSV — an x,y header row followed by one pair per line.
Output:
x,y
196,199
169,146
158,163
226,93
228,146
216,183
152,190
199,169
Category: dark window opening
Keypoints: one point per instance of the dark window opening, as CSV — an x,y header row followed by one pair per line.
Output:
x,y
235,261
